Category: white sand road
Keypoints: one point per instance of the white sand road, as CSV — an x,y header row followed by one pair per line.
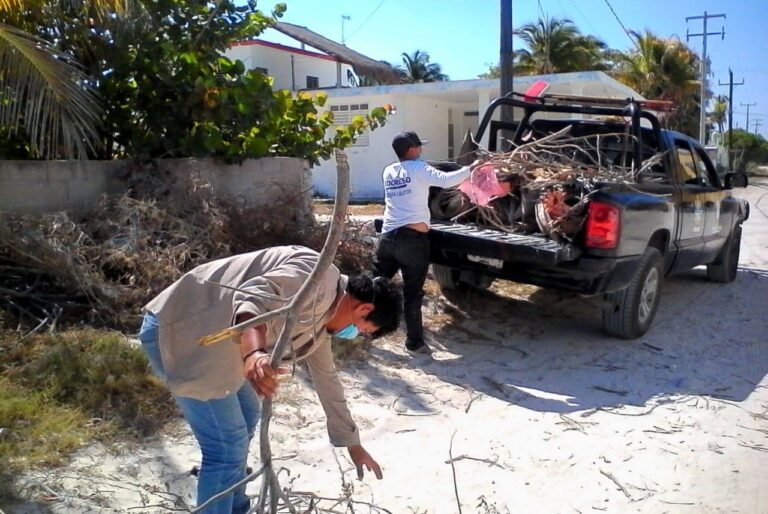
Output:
x,y
546,414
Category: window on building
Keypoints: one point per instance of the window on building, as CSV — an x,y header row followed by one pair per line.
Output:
x,y
312,82
342,116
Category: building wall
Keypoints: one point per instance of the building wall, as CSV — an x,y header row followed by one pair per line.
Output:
x,y
365,162
277,61
36,187
427,117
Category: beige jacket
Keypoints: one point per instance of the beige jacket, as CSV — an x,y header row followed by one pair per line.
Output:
x,y
190,309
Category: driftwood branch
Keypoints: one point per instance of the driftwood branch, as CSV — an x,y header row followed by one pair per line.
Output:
x,y
327,254
452,461
222,494
613,479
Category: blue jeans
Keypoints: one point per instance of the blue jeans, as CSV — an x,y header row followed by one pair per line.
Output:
x,y
223,428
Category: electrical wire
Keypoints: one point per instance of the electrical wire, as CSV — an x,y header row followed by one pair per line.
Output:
x,y
365,20
583,17
622,25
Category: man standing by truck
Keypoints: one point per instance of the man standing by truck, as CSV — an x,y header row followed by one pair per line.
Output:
x,y
404,244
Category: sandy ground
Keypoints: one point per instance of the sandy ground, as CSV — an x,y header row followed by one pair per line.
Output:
x,y
540,411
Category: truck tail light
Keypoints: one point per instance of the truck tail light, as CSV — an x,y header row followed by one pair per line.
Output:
x,y
602,226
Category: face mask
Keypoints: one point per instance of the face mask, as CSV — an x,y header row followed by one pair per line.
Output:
x,y
348,332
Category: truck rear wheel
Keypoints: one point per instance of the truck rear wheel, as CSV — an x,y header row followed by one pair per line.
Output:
x,y
724,269
632,309
451,278
446,277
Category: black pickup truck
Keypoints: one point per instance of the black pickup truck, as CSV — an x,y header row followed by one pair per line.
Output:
x,y
672,216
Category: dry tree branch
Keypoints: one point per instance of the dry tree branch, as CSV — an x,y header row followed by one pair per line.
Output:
x,y
453,472
217,496
327,254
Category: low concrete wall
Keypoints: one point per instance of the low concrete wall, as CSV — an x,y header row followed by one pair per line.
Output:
x,y
33,187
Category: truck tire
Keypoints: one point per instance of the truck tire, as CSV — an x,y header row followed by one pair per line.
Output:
x,y
631,310
446,277
724,269
451,278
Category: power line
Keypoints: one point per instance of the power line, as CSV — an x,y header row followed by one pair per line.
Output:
x,y
366,19
703,66
622,25
584,18
748,105
730,85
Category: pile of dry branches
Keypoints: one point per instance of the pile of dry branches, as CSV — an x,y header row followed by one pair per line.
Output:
x,y
101,267
548,182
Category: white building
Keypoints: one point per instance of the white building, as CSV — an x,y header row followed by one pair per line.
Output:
x,y
332,66
293,68
441,112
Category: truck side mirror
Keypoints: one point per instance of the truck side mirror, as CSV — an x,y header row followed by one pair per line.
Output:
x,y
736,180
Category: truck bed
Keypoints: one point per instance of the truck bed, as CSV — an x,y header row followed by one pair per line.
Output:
x,y
495,244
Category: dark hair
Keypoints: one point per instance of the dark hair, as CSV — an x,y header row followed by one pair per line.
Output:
x,y
401,153
386,298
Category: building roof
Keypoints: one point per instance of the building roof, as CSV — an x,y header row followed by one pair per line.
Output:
x,y
285,48
589,83
362,65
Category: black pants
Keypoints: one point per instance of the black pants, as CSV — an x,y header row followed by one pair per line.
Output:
x,y
406,250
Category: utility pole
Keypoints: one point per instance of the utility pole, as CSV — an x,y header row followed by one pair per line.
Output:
x,y
757,123
747,106
704,34
344,17
730,85
506,57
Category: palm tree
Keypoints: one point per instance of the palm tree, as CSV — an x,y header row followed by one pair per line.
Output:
x,y
664,69
555,45
417,68
719,112
47,95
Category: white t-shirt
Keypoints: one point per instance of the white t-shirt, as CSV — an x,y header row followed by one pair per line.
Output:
x,y
406,191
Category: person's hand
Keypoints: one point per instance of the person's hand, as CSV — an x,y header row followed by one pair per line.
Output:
x,y
362,458
261,375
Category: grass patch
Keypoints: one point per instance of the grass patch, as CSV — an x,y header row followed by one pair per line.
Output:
x,y
38,431
61,391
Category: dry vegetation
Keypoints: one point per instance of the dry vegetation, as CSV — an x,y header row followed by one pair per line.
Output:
x,y
100,268
545,184
59,391
61,385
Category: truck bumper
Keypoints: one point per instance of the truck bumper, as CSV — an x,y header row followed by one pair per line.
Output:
x,y
529,259
585,275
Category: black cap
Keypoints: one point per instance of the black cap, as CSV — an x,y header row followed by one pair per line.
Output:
x,y
405,140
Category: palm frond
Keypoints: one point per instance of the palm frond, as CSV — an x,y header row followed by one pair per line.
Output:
x,y
11,5
45,93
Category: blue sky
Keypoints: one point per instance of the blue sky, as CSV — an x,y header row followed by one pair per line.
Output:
x,y
463,35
